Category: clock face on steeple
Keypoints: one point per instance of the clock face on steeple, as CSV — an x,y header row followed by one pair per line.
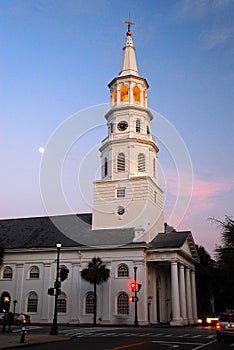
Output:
x,y
123,125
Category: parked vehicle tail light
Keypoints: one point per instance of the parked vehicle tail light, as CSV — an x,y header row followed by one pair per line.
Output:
x,y
217,326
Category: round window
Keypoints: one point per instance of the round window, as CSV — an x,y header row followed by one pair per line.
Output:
x,y
120,210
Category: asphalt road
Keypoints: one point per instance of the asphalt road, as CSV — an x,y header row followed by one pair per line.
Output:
x,y
114,338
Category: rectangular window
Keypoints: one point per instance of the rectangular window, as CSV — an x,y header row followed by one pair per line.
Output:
x,y
121,192
138,125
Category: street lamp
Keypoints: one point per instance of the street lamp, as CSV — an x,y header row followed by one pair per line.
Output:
x,y
15,302
54,328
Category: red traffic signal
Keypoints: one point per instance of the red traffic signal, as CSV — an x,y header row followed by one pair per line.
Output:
x,y
133,286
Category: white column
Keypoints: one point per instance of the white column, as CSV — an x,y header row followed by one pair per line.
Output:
x,y
105,303
18,295
188,295
47,302
183,306
194,296
175,299
74,299
130,93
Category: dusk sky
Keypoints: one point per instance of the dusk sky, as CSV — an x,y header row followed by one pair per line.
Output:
x,y
57,57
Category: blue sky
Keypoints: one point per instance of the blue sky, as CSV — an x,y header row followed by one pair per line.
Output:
x,y
57,58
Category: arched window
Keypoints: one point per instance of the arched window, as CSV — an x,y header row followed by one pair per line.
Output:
x,y
34,272
105,172
136,94
138,125
123,270
7,273
121,162
62,303
141,162
122,304
124,94
32,302
114,96
89,303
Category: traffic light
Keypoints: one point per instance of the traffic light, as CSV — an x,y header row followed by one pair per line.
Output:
x,y
63,273
133,286
139,287
133,299
51,291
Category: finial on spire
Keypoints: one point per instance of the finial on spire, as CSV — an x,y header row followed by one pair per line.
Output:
x,y
129,33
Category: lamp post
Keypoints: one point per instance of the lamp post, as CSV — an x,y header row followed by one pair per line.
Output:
x,y
15,302
6,305
136,299
54,328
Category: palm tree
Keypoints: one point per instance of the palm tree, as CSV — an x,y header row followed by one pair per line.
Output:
x,y
96,273
225,258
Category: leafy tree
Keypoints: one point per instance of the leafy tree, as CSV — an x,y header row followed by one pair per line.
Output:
x,y
206,286
96,273
225,260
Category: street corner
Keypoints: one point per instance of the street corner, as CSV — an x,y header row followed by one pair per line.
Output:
x,y
12,340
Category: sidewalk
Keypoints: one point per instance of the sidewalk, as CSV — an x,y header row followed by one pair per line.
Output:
x,y
12,340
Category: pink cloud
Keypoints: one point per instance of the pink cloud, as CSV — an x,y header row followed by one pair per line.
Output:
x,y
205,195
207,189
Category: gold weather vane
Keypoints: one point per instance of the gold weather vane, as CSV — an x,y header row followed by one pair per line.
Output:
x,y
129,33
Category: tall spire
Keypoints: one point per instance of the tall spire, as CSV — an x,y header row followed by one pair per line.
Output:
x,y
129,65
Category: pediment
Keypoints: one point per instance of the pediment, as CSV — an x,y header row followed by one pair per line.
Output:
x,y
189,248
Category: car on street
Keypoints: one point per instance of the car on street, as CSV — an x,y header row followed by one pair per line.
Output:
x,y
19,318
207,320
225,325
22,319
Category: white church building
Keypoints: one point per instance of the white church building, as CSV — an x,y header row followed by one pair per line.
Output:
x,y
125,229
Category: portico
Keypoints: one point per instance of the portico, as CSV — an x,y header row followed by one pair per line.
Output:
x,y
172,275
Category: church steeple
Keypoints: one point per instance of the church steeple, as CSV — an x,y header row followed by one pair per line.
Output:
x,y
129,65
128,194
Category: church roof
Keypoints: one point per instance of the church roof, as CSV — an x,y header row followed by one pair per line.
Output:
x,y
175,240
170,240
76,231
70,230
